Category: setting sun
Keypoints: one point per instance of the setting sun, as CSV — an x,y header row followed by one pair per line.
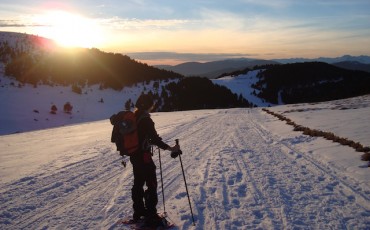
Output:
x,y
70,30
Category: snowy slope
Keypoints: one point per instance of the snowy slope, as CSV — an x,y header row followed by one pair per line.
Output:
x,y
346,118
245,170
242,84
27,108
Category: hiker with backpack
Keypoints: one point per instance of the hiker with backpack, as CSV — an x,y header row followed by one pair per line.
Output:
x,y
144,169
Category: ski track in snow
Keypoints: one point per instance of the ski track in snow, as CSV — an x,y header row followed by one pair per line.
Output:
x,y
239,174
254,182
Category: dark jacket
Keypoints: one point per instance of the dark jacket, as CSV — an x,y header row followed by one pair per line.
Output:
x,y
147,133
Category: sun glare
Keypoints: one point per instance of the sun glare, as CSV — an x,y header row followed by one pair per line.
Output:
x,y
69,30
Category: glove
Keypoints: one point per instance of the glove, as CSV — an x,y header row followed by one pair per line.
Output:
x,y
176,154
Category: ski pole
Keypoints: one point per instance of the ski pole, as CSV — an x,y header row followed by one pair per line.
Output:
x,y
186,186
160,167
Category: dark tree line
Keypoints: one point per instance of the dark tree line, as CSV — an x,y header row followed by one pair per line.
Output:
x,y
199,93
79,66
193,93
245,71
310,82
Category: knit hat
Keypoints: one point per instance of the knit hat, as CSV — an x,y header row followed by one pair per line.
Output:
x,y
144,102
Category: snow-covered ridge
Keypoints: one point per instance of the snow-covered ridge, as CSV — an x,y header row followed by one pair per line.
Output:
x,y
26,42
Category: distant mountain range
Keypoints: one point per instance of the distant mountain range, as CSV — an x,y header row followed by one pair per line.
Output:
x,y
214,69
345,58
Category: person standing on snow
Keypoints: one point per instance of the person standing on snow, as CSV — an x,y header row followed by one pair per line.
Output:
x,y
144,169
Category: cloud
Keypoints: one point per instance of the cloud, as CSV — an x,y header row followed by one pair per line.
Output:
x,y
220,19
143,24
18,23
10,23
201,57
271,3
280,4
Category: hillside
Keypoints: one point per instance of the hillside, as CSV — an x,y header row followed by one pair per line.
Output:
x,y
23,43
353,65
242,84
36,113
30,59
297,83
310,82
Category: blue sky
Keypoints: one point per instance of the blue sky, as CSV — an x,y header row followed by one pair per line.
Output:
x,y
209,28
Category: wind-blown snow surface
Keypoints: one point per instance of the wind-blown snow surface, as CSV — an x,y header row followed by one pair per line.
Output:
x,y
244,168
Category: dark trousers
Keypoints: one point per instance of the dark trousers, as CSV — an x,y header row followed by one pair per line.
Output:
x,y
144,202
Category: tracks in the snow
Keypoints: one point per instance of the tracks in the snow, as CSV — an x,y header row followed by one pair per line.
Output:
x,y
239,174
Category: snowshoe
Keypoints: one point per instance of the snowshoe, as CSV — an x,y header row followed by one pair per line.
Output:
x,y
156,222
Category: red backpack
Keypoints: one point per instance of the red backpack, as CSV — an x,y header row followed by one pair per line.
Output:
x,y
124,133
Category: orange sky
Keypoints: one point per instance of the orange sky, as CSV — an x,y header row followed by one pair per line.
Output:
x,y
250,28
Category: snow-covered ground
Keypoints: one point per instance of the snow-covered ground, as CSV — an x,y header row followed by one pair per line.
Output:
x,y
245,169
242,84
27,108
346,118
